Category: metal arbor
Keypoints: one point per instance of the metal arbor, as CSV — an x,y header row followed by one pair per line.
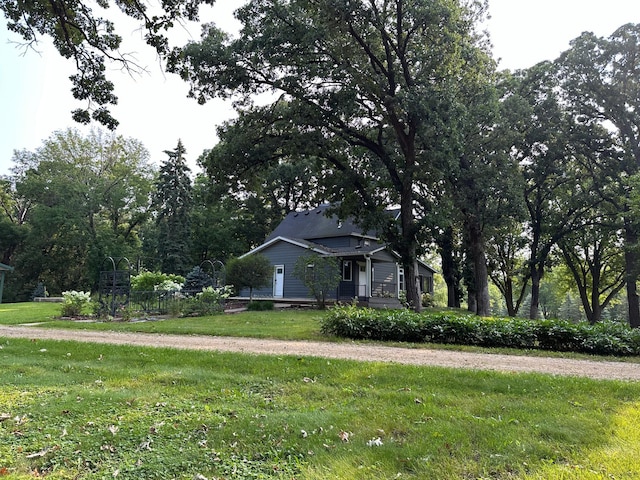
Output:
x,y
115,285
218,272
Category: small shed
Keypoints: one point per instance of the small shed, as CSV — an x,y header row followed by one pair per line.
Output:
x,y
3,270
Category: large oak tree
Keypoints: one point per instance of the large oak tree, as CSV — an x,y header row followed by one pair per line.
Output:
x,y
370,87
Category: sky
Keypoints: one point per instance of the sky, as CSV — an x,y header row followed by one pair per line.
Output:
x,y
153,107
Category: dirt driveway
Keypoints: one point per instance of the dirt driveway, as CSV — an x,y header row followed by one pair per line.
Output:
x,y
351,351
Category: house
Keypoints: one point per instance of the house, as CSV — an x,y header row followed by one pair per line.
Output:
x,y
370,271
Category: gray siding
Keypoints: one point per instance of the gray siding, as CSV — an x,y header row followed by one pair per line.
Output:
x,y
283,253
384,279
333,242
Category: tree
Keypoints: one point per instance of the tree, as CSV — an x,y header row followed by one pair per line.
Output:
x,y
594,255
79,199
550,155
252,271
484,183
321,275
91,41
507,263
601,83
173,201
368,87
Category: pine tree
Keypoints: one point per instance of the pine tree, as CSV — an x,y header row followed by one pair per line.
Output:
x,y
173,202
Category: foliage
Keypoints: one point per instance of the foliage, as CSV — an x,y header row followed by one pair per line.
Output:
x,y
74,303
260,305
173,202
196,280
150,281
209,301
169,286
252,271
92,41
604,338
371,92
600,84
76,200
40,291
321,275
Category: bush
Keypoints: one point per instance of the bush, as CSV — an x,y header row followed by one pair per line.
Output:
x,y
209,301
260,305
148,281
74,303
606,338
196,280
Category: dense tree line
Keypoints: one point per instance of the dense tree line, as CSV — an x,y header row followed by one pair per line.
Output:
x,y
509,176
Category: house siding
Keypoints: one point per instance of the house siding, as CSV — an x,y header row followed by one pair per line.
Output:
x,y
333,242
384,279
283,253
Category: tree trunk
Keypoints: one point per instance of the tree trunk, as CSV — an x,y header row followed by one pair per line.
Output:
x,y
408,249
631,261
475,244
536,276
508,298
450,268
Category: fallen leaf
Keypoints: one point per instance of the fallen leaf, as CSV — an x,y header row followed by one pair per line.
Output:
x,y
113,429
39,454
344,436
4,416
375,442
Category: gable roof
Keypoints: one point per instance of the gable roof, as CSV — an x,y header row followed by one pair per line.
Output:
x,y
293,241
311,224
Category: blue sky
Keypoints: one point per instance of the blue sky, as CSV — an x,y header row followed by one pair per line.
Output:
x,y
35,93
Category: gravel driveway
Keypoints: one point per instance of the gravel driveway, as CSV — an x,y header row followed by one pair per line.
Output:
x,y
351,351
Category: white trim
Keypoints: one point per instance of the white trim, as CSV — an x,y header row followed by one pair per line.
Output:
x,y
283,239
278,286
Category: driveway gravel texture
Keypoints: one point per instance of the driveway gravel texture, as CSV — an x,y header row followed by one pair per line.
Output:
x,y
603,370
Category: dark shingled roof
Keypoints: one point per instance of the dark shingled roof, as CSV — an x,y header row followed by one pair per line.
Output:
x,y
310,224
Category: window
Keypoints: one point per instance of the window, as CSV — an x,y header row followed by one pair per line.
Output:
x,y
401,284
426,284
347,271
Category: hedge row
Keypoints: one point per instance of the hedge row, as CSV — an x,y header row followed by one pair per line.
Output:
x,y
605,338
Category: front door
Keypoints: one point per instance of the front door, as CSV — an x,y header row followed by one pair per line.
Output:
x,y
278,281
362,279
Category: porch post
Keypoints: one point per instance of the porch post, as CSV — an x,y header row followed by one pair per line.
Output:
x,y
367,260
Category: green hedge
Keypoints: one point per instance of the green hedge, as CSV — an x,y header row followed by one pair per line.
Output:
x,y
605,338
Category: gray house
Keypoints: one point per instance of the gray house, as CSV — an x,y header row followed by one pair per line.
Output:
x,y
369,269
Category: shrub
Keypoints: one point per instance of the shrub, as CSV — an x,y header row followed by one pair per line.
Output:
x,y
260,305
196,280
148,281
606,338
74,303
209,301
253,271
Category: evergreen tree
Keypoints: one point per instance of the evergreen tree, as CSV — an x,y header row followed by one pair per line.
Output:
x,y
173,201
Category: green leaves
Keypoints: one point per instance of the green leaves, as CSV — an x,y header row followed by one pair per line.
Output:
x,y
605,338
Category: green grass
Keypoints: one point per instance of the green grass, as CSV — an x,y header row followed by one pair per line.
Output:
x,y
17,313
99,411
282,324
278,324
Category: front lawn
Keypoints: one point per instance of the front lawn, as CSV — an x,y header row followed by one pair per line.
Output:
x,y
285,324
72,410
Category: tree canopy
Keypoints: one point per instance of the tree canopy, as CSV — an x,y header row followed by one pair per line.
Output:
x,y
86,33
371,89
